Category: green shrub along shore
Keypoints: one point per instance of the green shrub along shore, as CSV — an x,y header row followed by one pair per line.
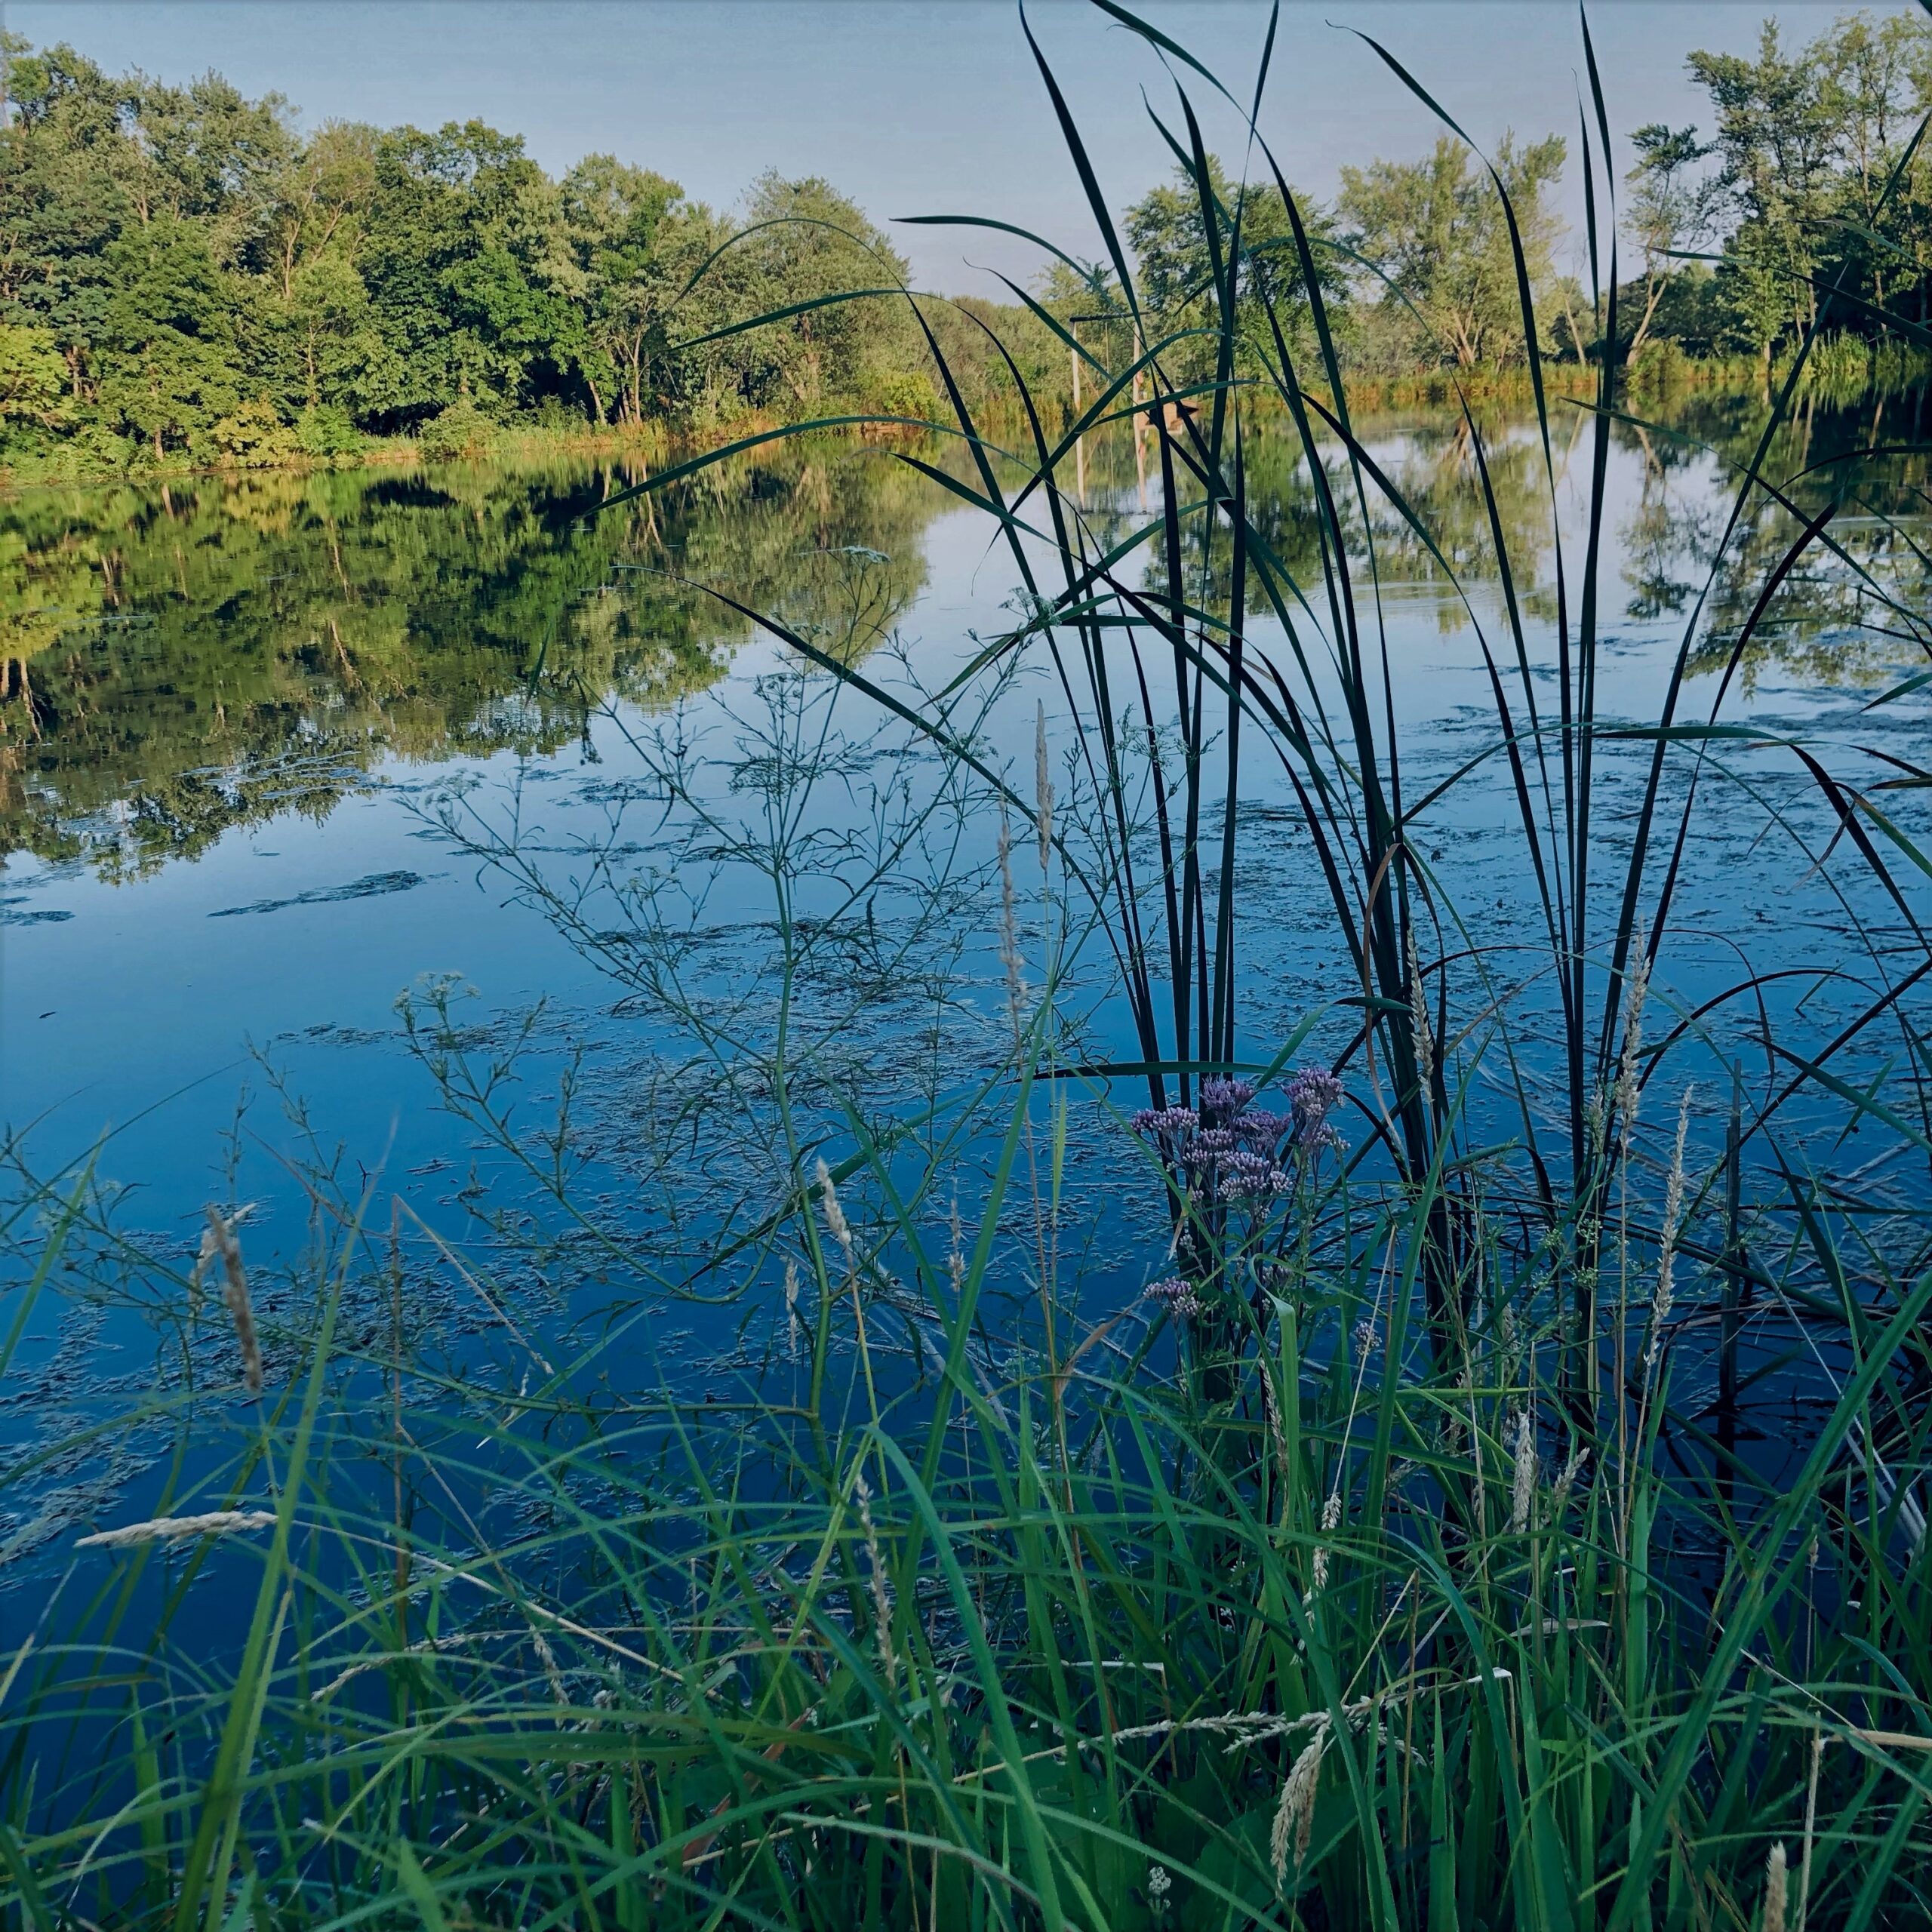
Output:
x,y
1489,1495
191,282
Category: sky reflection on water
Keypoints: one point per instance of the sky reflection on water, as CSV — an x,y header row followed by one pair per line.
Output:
x,y
241,718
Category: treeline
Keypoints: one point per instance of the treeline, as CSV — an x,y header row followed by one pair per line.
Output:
x,y
185,277
1809,177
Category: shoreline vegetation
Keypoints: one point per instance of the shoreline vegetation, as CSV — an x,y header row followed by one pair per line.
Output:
x,y
1841,369
1450,1455
190,282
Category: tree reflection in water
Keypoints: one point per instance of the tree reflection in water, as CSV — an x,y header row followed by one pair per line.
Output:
x,y
181,659
178,659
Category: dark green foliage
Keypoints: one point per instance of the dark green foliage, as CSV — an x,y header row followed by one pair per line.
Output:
x,y
167,352
182,260
1436,229
1793,189
1167,229
457,237
182,253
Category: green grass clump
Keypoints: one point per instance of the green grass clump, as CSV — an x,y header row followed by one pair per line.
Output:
x,y
1302,1630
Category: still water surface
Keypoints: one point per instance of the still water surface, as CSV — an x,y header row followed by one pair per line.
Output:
x,y
241,719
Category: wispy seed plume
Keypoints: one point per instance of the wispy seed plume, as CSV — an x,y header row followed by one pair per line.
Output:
x,y
881,1589
1294,1817
1636,991
835,1215
1419,1018
1673,1214
1776,1886
1522,1499
1331,1518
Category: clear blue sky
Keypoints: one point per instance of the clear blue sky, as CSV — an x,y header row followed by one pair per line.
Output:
x,y
918,106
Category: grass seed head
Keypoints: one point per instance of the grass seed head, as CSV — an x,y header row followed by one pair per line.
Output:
x,y
175,1529
234,1295
1522,1501
835,1215
1566,1481
1776,1885
1673,1214
1331,1519
1637,990
1419,1018
881,1589
1294,1816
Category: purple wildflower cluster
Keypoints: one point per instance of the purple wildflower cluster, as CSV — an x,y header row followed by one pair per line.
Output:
x,y
1238,1148
1179,1296
1253,1177
1222,1098
1314,1093
1164,1124
1229,1154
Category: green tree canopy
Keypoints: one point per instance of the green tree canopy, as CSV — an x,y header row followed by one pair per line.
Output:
x,y
1436,229
1175,252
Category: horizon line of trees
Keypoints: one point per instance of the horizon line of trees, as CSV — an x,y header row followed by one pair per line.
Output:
x,y
184,275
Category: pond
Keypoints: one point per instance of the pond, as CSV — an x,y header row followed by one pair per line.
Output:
x,y
276,750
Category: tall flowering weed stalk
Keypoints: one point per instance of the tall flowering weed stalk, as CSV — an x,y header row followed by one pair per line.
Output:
x,y
1242,1183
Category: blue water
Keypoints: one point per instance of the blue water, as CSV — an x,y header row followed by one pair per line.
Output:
x,y
232,824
